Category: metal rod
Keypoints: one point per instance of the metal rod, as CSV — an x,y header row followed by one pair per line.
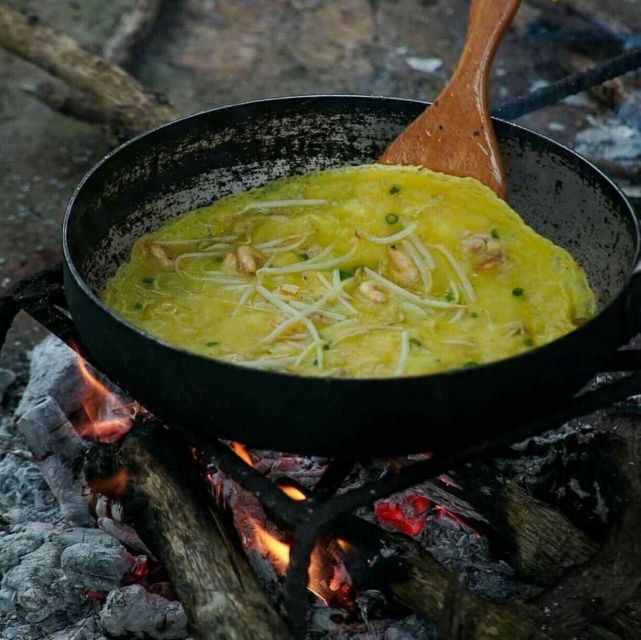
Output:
x,y
279,507
557,91
324,513
331,481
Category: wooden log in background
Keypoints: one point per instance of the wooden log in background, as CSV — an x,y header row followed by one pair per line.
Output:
x,y
127,106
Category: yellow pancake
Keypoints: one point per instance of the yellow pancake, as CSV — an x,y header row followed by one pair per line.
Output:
x,y
369,271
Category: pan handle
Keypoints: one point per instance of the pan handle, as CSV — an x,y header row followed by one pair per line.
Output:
x,y
42,297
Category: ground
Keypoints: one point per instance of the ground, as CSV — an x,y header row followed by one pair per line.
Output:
x,y
206,53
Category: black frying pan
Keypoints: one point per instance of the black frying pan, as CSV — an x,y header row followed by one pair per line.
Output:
x,y
194,161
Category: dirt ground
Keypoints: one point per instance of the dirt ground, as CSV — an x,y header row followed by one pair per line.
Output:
x,y
206,53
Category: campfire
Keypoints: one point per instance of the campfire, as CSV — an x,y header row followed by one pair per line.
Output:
x,y
116,524
437,549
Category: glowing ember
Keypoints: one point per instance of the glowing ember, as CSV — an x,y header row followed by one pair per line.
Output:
x,y
293,492
108,418
113,486
97,596
406,513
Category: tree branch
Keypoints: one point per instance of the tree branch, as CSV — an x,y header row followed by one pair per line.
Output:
x,y
128,107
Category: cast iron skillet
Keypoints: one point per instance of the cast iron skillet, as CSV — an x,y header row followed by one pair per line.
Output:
x,y
194,161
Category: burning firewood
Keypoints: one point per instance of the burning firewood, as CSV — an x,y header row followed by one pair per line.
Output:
x,y
215,584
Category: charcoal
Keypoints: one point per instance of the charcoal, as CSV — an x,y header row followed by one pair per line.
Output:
x,y
24,495
68,536
32,588
411,628
7,378
125,534
13,547
56,448
65,488
86,629
48,432
96,566
54,373
135,612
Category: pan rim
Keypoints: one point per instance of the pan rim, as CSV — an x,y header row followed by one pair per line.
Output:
x,y
458,372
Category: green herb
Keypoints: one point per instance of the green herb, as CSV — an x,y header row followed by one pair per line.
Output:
x,y
344,275
470,365
325,347
474,314
449,296
495,234
138,306
518,292
148,280
315,363
394,190
391,218
415,342
213,343
303,256
528,342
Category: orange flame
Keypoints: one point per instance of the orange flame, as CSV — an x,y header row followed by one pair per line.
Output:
x,y
277,552
241,451
275,549
108,417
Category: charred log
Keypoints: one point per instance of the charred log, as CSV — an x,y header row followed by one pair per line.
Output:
x,y
536,539
417,580
597,589
168,505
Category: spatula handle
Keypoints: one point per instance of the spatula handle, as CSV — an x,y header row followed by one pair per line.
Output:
x,y
488,21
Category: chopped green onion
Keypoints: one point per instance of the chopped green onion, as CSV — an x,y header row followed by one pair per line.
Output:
x,y
391,218
344,275
212,343
325,347
495,234
148,280
415,342
470,365
449,296
394,190
528,342
303,256
315,363
518,292
474,314
138,306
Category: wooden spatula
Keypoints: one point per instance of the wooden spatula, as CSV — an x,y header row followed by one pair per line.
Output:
x,y
455,135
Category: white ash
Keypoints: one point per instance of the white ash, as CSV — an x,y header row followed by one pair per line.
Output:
x,y
55,563
7,378
133,610
56,449
96,566
54,373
